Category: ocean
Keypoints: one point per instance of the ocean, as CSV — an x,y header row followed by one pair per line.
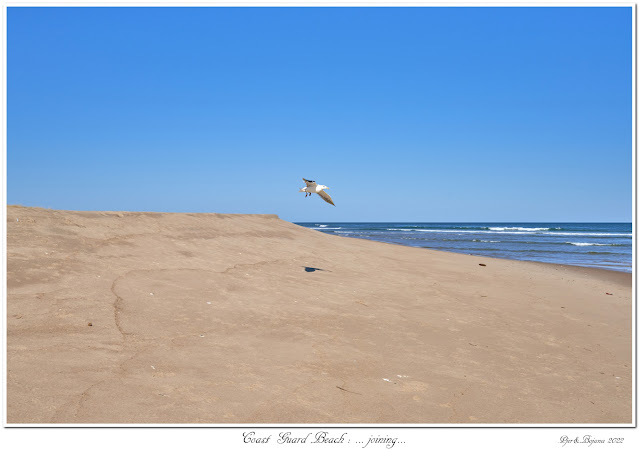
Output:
x,y
600,245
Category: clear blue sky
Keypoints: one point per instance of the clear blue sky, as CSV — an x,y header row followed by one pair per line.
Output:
x,y
408,114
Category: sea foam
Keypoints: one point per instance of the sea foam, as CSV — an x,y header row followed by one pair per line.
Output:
x,y
518,229
583,244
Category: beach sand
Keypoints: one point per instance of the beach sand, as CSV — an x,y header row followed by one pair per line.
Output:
x,y
152,318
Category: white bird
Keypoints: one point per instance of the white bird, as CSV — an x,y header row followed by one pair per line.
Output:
x,y
313,188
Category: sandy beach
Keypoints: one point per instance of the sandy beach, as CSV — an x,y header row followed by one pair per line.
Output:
x,y
153,318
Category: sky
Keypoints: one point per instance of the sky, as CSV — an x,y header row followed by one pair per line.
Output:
x,y
427,114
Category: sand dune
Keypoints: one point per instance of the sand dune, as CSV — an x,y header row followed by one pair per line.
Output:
x,y
213,318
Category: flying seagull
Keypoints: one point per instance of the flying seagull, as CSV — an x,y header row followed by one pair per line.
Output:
x,y
313,188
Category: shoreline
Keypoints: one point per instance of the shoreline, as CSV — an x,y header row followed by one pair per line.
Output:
x,y
129,317
586,269
607,248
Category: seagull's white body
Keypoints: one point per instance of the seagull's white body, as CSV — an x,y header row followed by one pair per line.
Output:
x,y
313,188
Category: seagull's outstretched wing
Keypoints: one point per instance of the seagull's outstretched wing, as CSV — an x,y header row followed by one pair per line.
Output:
x,y
327,198
309,182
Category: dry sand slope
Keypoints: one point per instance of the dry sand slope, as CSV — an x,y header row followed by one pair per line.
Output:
x,y
213,318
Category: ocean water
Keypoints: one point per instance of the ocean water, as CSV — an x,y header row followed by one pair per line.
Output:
x,y
600,245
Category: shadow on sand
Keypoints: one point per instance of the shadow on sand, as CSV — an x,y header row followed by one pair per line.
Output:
x,y
313,269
